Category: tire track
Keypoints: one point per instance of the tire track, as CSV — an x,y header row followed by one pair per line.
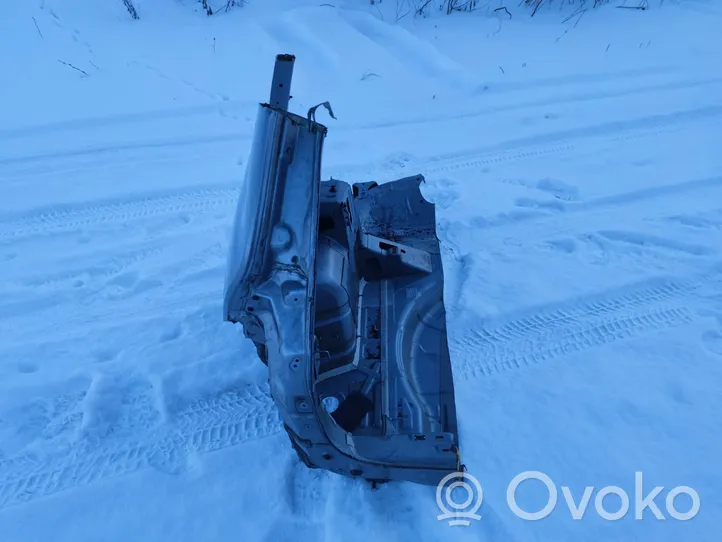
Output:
x,y
177,142
544,333
559,100
206,426
224,196
75,217
495,360
186,293
116,148
54,166
213,109
235,417
557,81
545,320
586,139
568,140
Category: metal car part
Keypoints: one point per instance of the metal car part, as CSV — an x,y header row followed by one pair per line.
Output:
x,y
340,287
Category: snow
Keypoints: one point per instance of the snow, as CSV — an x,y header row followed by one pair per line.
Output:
x,y
577,174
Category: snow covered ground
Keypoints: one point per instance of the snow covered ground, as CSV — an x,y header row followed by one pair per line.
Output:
x,y
576,165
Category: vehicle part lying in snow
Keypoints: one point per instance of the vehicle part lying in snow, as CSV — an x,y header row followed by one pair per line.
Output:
x,y
340,287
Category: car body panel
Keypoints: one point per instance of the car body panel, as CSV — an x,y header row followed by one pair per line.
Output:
x,y
340,287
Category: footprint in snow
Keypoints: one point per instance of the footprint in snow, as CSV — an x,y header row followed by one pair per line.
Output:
x,y
712,341
558,189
